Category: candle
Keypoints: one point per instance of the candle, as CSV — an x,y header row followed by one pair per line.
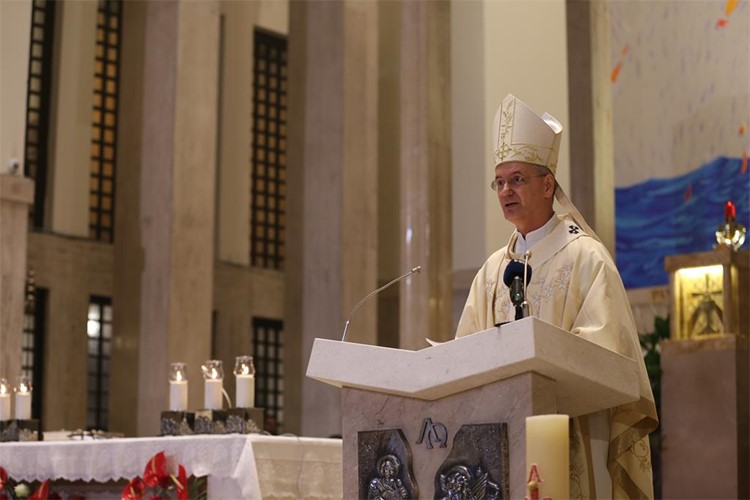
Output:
x,y
23,398
4,400
212,394
547,452
245,396
178,387
213,375
245,389
178,395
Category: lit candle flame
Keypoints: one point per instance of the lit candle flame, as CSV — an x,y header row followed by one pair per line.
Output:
x,y
3,389
214,373
178,376
23,388
245,369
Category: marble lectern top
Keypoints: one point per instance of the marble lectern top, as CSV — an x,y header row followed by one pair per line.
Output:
x,y
587,377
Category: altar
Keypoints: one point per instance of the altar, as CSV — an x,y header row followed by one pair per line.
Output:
x,y
236,466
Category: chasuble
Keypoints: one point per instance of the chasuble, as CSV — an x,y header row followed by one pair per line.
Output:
x,y
575,286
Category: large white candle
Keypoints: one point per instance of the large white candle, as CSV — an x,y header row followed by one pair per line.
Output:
x,y
23,405
547,445
245,393
4,406
178,395
212,393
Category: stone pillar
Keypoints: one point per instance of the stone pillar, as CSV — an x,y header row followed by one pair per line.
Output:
x,y
128,250
16,194
178,165
704,418
15,25
592,187
426,300
332,188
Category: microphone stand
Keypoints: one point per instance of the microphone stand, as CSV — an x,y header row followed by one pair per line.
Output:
x,y
396,280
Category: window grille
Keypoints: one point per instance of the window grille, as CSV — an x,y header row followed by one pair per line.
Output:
x,y
268,169
32,347
268,358
99,345
104,121
38,103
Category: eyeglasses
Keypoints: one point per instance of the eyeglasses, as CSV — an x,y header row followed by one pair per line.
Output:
x,y
517,180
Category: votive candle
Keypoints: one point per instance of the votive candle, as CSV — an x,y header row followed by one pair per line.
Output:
x,y
178,387
178,395
547,454
22,398
4,400
245,396
212,393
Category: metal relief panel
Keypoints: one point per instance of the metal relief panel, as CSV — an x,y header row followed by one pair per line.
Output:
x,y
385,465
477,466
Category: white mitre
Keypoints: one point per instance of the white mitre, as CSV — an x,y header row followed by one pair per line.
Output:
x,y
521,135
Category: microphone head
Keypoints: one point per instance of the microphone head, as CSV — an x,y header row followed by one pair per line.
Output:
x,y
515,269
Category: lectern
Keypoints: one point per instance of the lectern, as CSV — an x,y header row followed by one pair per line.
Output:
x,y
423,424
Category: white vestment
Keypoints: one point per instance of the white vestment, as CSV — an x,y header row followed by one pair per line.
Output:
x,y
575,286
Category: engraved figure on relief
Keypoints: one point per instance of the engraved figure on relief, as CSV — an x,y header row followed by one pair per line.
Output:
x,y
387,485
459,484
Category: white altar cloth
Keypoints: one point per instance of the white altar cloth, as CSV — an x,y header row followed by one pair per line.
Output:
x,y
237,466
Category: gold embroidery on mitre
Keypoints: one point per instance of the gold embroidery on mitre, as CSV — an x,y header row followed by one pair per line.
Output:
x,y
506,129
511,147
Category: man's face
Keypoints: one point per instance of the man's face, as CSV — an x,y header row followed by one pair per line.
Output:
x,y
529,205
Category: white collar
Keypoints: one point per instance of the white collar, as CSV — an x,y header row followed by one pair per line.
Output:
x,y
525,243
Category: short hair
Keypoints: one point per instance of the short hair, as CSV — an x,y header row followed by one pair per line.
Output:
x,y
540,170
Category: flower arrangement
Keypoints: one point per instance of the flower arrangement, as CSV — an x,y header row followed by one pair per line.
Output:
x,y
10,490
156,484
162,482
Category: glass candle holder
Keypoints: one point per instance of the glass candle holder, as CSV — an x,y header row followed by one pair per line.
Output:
x,y
5,391
244,371
178,387
213,380
22,398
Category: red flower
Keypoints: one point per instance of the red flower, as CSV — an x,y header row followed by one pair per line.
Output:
x,y
133,490
180,483
41,492
156,472
3,478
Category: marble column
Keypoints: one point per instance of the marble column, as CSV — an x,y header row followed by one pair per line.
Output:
x,y
128,250
426,300
592,167
177,190
16,194
332,195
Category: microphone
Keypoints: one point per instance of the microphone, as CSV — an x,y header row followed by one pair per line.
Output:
x,y
375,292
516,276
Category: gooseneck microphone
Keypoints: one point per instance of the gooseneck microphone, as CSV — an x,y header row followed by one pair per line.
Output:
x,y
375,292
513,277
